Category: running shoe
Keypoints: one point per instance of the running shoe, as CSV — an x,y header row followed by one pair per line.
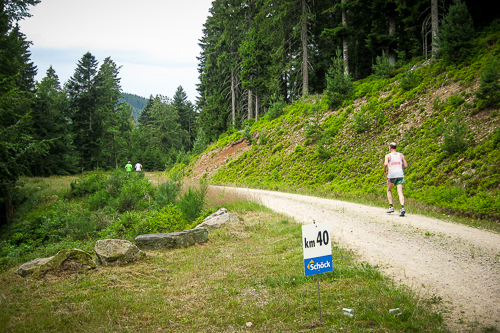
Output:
x,y
390,210
402,213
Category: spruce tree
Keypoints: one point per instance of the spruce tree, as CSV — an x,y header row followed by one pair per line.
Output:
x,y
83,94
456,34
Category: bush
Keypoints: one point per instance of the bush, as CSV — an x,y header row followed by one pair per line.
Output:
x,y
409,79
339,85
88,185
455,132
276,108
192,201
168,219
167,192
488,94
383,68
135,194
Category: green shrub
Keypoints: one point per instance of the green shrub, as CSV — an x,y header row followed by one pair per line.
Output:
x,y
276,107
409,79
192,201
134,195
88,185
383,69
167,192
488,93
339,85
454,134
362,120
168,219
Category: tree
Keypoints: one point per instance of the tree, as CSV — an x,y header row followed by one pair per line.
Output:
x,y
83,94
50,114
17,144
187,116
339,84
456,33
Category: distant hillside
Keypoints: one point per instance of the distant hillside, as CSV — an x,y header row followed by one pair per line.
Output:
x,y
452,146
137,103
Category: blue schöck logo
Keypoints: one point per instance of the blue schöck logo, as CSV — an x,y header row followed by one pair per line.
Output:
x,y
318,265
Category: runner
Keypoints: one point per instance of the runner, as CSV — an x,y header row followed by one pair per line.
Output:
x,y
128,167
138,166
393,169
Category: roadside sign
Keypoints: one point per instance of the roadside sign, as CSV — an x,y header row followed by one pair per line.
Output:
x,y
317,248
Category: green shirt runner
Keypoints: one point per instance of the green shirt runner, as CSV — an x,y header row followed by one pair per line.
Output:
x,y
128,167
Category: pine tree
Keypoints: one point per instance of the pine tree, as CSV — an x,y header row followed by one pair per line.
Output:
x,y
18,147
50,123
83,94
456,34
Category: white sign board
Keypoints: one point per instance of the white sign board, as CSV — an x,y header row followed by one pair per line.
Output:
x,y
317,248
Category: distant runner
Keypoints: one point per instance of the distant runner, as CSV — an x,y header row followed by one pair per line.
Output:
x,y
128,167
393,169
138,166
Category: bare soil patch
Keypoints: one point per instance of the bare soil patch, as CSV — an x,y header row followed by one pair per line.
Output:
x,y
456,266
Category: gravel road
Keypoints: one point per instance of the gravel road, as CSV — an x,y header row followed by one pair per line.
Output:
x,y
440,260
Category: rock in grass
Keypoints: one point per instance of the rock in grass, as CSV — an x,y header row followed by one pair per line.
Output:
x,y
217,219
164,241
65,261
117,252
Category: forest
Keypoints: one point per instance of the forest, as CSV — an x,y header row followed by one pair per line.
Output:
x,y
257,56
256,53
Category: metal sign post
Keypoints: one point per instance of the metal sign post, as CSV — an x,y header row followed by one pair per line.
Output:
x,y
317,251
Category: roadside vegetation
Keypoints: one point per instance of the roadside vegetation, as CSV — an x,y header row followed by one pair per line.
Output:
x,y
250,271
74,211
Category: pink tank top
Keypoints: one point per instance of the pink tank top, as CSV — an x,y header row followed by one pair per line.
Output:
x,y
395,166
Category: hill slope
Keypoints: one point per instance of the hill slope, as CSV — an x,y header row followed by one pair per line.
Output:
x,y
451,146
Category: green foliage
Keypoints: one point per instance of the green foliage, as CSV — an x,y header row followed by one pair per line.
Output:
x,y
276,107
339,86
91,183
167,192
200,144
169,219
488,94
456,33
454,135
409,79
383,69
192,201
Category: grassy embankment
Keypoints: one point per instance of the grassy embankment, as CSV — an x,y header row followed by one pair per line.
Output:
x,y
250,271
452,147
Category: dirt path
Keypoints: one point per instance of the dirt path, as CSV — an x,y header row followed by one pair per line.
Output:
x,y
455,265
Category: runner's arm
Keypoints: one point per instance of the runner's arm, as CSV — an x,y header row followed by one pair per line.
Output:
x,y
404,161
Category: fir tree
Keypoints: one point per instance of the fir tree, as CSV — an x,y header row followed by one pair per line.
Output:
x,y
456,34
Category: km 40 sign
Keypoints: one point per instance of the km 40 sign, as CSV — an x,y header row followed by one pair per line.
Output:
x,y
317,248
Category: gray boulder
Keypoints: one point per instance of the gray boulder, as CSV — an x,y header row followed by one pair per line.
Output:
x,y
172,240
65,261
217,219
117,252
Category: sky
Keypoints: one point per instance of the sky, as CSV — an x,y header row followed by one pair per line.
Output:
x,y
155,41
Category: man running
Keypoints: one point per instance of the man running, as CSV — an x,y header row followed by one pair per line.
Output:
x,y
393,169
138,166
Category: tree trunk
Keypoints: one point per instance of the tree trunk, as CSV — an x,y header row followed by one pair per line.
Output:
x,y
256,107
435,26
392,32
345,42
249,104
305,55
233,99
